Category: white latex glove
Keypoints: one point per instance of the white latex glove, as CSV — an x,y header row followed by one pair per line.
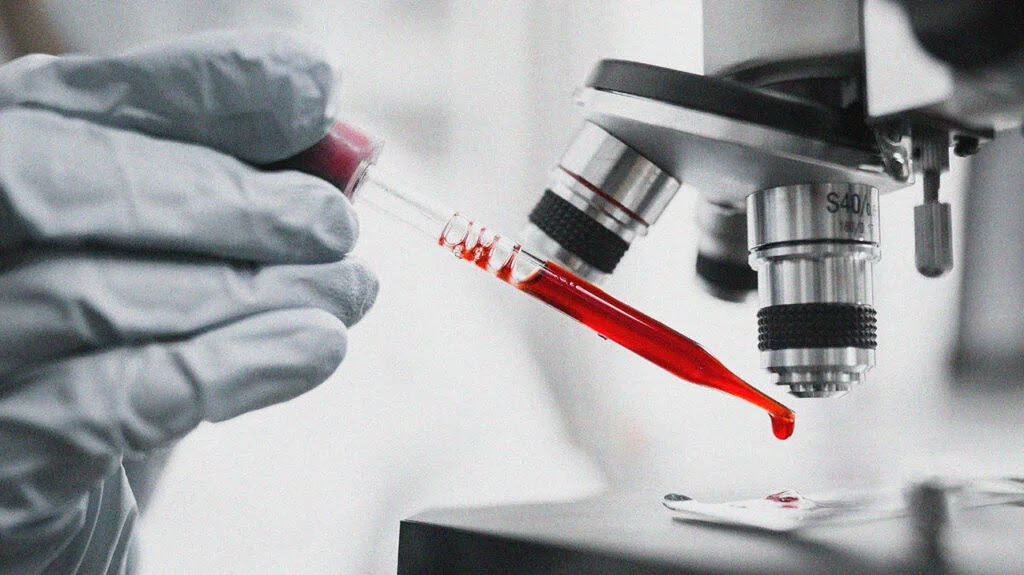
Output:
x,y
150,278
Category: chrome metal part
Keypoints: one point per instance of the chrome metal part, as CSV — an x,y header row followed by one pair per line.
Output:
x,y
897,150
934,151
933,244
725,158
819,372
814,247
601,196
830,212
823,272
627,182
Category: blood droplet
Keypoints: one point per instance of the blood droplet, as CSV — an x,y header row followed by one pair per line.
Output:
x,y
787,496
782,426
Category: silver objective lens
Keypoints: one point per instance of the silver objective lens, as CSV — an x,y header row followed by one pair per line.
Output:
x,y
600,197
814,246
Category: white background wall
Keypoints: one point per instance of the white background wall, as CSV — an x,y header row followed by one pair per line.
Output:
x,y
459,391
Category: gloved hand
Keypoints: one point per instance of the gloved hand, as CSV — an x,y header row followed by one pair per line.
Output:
x,y
150,277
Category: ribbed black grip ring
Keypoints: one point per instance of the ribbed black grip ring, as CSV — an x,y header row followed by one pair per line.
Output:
x,y
578,233
816,325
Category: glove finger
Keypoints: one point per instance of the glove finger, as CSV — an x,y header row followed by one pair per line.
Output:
x,y
70,182
65,425
260,96
54,303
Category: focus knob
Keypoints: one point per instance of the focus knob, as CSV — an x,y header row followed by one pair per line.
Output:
x,y
933,245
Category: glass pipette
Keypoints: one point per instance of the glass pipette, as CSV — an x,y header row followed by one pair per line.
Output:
x,y
346,157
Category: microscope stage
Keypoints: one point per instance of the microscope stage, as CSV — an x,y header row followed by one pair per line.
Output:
x,y
634,533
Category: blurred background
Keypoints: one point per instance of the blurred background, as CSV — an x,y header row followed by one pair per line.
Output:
x,y
457,391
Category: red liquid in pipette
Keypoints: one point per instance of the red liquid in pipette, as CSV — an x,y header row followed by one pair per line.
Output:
x,y
341,155
622,324
648,338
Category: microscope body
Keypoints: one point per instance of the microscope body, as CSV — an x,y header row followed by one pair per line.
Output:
x,y
808,111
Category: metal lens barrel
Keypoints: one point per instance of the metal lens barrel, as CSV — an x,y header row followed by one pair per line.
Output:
x,y
600,197
814,247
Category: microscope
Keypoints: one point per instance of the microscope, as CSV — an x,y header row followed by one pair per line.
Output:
x,y
807,112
